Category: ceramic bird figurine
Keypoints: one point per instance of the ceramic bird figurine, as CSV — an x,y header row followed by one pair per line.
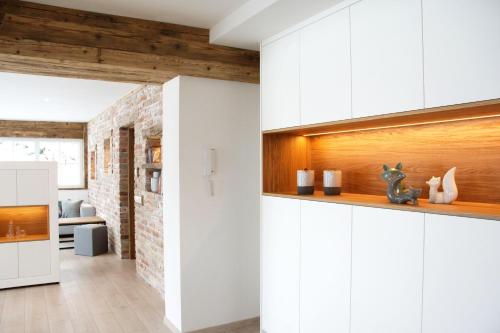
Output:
x,y
450,190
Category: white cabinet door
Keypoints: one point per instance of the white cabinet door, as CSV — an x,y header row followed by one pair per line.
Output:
x,y
33,187
325,70
8,261
462,275
387,70
461,51
34,259
325,276
280,83
280,241
387,268
8,187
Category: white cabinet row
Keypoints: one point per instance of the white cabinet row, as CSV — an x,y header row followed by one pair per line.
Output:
x,y
25,260
382,56
339,268
24,187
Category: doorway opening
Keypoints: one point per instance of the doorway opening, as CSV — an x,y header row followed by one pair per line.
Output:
x,y
131,192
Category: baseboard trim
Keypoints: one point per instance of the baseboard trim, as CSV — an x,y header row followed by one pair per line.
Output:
x,y
229,327
217,329
170,326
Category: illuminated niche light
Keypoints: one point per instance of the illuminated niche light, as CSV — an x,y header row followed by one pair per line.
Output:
x,y
404,125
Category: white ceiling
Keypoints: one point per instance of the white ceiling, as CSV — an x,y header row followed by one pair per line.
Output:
x,y
196,13
46,98
258,20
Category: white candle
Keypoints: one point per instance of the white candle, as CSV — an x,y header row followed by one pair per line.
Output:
x,y
305,178
332,178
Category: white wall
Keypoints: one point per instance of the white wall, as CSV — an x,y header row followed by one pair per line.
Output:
x,y
73,195
212,242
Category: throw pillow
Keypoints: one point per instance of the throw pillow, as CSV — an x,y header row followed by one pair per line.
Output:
x,y
71,208
59,206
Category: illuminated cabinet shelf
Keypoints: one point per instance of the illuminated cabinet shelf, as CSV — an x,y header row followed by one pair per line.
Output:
x,y
28,224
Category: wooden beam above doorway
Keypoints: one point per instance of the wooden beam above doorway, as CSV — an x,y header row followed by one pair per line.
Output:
x,y
49,40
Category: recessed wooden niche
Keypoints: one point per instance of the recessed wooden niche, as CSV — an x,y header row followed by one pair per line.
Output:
x,y
427,142
29,223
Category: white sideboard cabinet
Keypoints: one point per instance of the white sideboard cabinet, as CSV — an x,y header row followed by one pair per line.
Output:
x,y
8,188
280,265
462,275
280,83
329,267
28,206
325,70
386,42
461,51
32,187
325,269
387,268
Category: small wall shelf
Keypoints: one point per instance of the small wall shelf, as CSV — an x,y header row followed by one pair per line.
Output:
x,y
153,160
152,166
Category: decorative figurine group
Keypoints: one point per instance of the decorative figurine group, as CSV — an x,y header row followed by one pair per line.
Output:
x,y
398,193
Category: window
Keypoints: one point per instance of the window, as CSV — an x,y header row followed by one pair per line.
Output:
x,y
67,152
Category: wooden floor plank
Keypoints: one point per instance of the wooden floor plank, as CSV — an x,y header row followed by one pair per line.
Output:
x,y
100,294
13,316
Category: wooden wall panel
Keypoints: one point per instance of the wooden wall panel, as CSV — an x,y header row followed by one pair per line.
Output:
x,y
425,151
283,155
42,129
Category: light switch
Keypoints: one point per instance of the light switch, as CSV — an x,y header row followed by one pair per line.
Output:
x,y
138,199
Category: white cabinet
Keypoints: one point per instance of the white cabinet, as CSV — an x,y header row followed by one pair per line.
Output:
x,y
280,241
325,272
280,83
34,259
8,261
462,274
387,268
325,70
8,187
387,69
461,51
33,187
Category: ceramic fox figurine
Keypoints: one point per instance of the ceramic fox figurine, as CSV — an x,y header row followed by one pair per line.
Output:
x,y
450,190
396,191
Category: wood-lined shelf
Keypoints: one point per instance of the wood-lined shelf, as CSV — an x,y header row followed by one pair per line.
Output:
x,y
428,143
153,166
28,238
458,208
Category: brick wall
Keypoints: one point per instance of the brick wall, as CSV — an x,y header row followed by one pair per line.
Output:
x,y
141,109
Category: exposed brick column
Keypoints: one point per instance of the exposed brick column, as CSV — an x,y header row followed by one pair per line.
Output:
x,y
123,161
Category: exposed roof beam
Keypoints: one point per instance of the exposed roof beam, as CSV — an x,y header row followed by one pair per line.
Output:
x,y
41,39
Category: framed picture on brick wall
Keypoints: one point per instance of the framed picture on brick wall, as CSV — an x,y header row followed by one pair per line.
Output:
x,y
93,158
108,168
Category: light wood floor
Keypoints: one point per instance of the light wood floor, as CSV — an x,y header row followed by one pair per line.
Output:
x,y
99,294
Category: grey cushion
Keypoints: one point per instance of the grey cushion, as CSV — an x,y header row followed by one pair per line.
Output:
x,y
71,208
91,239
87,210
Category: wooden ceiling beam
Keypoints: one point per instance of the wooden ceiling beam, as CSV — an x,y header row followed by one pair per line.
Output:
x,y
75,43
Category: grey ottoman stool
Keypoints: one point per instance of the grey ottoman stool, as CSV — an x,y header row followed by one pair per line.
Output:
x,y
91,239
